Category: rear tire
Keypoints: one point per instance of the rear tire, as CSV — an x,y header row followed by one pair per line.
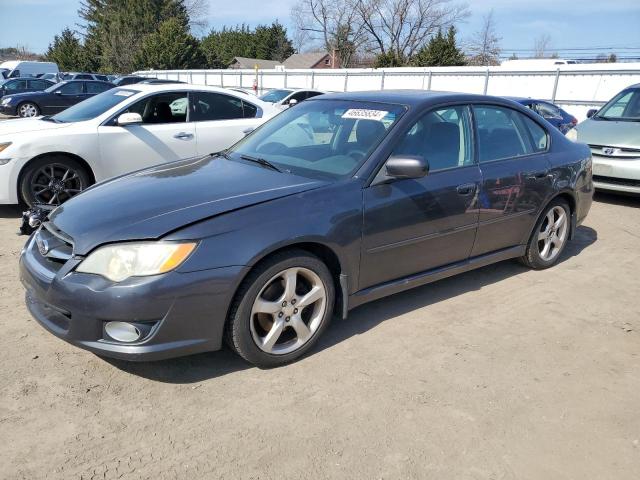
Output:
x,y
28,110
549,237
52,180
281,309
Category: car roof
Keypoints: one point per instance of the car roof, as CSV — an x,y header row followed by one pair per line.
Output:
x,y
169,87
407,97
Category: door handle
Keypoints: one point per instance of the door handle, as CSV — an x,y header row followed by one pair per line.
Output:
x,y
466,188
538,175
247,131
183,136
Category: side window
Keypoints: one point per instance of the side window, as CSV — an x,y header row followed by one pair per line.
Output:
x,y
72,88
16,85
216,106
313,94
442,137
84,77
298,96
250,110
102,78
548,111
97,87
505,133
38,84
162,108
538,135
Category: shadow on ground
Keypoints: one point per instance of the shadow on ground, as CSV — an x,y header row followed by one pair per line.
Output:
x,y
197,368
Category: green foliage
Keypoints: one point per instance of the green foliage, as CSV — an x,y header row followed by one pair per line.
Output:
x,y
170,47
389,59
441,51
265,42
67,51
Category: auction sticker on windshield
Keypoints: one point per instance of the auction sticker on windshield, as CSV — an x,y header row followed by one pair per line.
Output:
x,y
361,113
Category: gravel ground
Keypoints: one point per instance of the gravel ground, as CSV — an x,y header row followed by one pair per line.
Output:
x,y
501,373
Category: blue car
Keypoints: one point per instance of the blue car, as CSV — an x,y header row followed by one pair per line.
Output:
x,y
553,114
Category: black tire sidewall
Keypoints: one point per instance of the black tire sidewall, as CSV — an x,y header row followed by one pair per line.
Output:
x,y
239,322
26,177
533,258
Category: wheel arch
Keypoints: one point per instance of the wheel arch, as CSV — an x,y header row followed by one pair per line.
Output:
x,y
568,197
325,253
72,156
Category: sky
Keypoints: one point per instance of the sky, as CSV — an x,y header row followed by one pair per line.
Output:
x,y
570,24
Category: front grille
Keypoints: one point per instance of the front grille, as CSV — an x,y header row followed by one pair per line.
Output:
x,y
625,182
620,153
53,245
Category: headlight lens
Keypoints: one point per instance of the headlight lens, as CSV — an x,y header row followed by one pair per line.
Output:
x,y
5,100
3,146
121,261
572,135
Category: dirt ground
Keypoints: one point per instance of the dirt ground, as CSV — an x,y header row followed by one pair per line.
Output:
x,y
501,373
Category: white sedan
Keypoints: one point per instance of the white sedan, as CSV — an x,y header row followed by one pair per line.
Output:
x,y
47,160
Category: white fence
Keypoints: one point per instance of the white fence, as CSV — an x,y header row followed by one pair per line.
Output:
x,y
577,88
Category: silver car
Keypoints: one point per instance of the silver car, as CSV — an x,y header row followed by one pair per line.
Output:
x,y
613,133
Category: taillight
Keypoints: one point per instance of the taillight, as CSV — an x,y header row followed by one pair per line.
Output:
x,y
574,121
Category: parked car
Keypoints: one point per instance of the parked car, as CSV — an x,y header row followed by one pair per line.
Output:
x,y
50,159
285,97
23,85
52,100
159,81
553,114
128,80
22,68
84,76
261,243
613,134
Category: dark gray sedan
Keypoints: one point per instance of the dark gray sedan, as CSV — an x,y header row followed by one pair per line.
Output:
x,y
342,200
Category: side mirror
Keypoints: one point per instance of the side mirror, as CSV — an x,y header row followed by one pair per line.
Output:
x,y
407,166
129,119
592,112
293,102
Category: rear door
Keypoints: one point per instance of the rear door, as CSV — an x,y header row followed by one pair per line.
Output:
x,y
221,120
414,225
512,151
166,134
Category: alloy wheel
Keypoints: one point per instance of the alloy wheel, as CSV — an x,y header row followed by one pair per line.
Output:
x,y
553,233
55,183
288,311
28,110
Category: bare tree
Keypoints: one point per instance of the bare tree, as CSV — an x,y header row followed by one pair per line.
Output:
x,y
334,23
401,27
541,45
198,11
484,47
389,27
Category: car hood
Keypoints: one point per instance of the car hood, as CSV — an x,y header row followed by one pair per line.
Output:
x,y
23,125
609,133
154,202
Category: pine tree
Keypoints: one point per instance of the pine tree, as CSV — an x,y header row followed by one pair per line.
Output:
x,y
441,51
66,50
171,47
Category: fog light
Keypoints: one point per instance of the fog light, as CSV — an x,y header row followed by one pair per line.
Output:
x,y
122,331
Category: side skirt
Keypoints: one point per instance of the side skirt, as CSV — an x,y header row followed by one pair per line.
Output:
x,y
418,279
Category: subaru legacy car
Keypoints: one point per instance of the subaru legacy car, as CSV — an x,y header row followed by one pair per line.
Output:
x,y
613,133
259,245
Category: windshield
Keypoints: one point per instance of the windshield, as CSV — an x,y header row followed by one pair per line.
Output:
x,y
625,106
327,139
94,106
275,96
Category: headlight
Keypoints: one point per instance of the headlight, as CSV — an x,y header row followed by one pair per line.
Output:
x,y
5,101
572,135
121,261
3,146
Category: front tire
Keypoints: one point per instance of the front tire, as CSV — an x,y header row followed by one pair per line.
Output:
x,y
549,236
52,180
281,309
28,110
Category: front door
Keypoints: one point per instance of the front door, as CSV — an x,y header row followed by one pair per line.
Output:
x,y
68,94
165,134
515,170
414,225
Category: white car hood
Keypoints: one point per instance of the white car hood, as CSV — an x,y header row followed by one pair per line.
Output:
x,y
24,125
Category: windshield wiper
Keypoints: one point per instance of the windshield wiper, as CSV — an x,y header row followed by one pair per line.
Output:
x,y
261,161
